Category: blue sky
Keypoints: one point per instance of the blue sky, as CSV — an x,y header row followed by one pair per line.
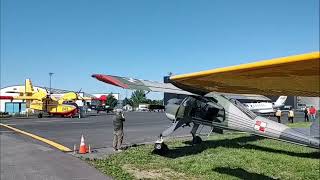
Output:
x,y
146,39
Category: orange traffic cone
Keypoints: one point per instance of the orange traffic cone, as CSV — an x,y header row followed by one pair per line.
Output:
x,y
83,148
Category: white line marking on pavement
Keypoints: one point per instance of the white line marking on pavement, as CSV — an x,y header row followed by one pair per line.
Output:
x,y
7,131
76,122
48,121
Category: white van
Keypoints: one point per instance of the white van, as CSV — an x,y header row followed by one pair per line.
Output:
x,y
143,107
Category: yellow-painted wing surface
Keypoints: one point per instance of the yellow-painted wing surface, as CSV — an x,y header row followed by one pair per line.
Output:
x,y
296,75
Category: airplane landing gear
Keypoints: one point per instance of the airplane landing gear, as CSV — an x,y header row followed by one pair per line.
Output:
x,y
160,147
40,115
196,140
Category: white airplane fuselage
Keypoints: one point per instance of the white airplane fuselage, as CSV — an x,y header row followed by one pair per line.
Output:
x,y
262,107
266,107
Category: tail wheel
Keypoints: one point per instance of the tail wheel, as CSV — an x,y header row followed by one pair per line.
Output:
x,y
160,148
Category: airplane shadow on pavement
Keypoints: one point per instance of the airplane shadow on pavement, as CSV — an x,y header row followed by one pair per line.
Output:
x,y
241,173
240,142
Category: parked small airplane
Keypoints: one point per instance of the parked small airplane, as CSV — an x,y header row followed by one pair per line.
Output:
x,y
207,101
39,100
266,107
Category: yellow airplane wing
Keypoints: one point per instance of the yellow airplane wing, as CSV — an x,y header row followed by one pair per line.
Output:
x,y
296,75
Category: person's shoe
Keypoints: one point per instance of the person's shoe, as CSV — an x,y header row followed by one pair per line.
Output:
x,y
119,150
115,149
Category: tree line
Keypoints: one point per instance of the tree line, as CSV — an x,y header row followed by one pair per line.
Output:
x,y
136,98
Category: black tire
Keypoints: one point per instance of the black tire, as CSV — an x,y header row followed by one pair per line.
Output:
x,y
197,140
40,115
160,148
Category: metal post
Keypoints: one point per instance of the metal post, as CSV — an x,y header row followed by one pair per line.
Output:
x,y
50,74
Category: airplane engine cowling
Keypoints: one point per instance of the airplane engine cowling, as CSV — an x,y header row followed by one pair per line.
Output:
x,y
172,108
204,108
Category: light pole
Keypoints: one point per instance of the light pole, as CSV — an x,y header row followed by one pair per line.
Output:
x,y
50,74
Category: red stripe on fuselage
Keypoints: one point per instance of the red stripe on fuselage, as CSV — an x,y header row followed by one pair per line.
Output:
x,y
6,97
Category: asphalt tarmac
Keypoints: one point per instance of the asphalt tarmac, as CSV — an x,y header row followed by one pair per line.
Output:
x,y
23,157
139,127
97,129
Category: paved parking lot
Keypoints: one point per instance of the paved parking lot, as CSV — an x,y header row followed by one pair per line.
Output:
x,y
23,157
139,127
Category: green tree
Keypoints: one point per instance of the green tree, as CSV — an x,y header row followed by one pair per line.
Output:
x,y
157,102
111,101
138,97
127,101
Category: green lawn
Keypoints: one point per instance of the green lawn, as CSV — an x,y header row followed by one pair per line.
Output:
x,y
228,156
300,124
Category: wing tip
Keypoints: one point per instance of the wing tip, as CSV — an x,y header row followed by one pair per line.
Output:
x,y
110,80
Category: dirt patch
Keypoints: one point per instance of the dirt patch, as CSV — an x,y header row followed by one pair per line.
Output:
x,y
164,173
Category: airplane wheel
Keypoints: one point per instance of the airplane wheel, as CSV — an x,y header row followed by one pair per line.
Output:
x,y
40,115
160,148
196,140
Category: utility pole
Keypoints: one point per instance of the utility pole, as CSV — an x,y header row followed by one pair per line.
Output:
x,y
50,74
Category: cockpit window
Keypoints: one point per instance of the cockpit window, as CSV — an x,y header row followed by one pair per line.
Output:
x,y
175,101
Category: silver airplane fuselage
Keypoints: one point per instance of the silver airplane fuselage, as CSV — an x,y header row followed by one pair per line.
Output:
x,y
220,113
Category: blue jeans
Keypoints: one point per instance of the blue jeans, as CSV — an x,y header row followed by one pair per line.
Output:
x,y
313,116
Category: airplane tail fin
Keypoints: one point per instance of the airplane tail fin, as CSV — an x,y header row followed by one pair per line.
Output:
x,y
315,129
281,100
28,87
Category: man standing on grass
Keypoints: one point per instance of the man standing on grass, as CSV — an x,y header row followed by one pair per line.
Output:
x,y
118,120
290,115
306,114
278,115
313,112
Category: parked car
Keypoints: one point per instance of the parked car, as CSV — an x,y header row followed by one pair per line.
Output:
x,y
99,108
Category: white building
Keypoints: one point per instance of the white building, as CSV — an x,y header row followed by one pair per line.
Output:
x,y
127,108
14,106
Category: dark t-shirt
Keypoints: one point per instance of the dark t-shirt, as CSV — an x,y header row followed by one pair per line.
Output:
x,y
118,122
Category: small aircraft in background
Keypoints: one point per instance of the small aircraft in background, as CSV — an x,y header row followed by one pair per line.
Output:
x,y
41,101
207,102
266,107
